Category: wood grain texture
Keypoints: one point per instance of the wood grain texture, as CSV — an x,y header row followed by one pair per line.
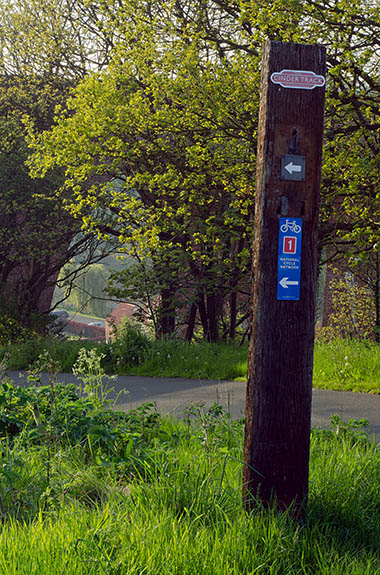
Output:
x,y
278,404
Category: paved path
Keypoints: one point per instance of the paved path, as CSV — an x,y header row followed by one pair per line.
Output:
x,y
172,395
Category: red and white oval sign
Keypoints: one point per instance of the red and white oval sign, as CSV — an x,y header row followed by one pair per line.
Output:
x,y
302,79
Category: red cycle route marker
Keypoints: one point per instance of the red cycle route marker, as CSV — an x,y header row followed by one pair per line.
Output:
x,y
290,245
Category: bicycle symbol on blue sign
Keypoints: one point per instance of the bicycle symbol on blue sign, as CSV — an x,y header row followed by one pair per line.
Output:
x,y
289,259
291,225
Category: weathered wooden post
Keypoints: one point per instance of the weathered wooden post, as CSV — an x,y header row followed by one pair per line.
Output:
x,y
278,407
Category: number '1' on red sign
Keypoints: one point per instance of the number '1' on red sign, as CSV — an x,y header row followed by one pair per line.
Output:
x,y
290,245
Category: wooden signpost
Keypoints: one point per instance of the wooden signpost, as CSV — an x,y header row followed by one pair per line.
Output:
x,y
278,405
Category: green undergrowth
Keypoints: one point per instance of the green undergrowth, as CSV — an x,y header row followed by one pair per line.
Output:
x,y
348,365
338,364
195,361
24,354
88,490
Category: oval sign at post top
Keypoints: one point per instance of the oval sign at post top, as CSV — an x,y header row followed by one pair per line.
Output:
x,y
302,79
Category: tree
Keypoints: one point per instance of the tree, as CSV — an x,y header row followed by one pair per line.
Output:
x,y
350,31
42,55
52,39
173,118
167,128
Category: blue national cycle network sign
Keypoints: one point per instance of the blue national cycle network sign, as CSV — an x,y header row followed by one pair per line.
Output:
x,y
289,259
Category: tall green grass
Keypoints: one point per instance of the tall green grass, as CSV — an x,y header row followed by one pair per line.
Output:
x,y
347,365
195,361
339,364
88,490
22,355
181,513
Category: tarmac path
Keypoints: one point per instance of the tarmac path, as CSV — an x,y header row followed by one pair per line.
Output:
x,y
172,396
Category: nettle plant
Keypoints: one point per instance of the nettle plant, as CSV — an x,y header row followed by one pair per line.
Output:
x,y
62,416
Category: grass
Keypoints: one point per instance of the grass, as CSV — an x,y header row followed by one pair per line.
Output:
x,y
172,505
22,355
75,314
339,364
131,539
195,361
347,365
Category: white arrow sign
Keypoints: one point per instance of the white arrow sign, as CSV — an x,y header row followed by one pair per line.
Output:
x,y
291,168
286,282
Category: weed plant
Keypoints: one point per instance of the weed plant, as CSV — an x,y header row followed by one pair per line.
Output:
x,y
129,348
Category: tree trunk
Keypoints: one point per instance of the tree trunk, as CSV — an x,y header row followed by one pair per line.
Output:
x,y
167,313
191,322
212,316
233,315
235,275
203,316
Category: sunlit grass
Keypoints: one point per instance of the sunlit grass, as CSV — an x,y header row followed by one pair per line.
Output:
x,y
339,364
182,514
87,490
347,365
195,361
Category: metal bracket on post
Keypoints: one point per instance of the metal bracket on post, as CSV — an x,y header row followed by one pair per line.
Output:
x,y
294,143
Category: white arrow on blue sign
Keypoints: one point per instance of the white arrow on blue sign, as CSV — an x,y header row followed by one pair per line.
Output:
x,y
286,282
289,259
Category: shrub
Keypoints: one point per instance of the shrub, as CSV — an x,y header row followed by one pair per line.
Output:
x,y
353,313
59,414
11,330
130,346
